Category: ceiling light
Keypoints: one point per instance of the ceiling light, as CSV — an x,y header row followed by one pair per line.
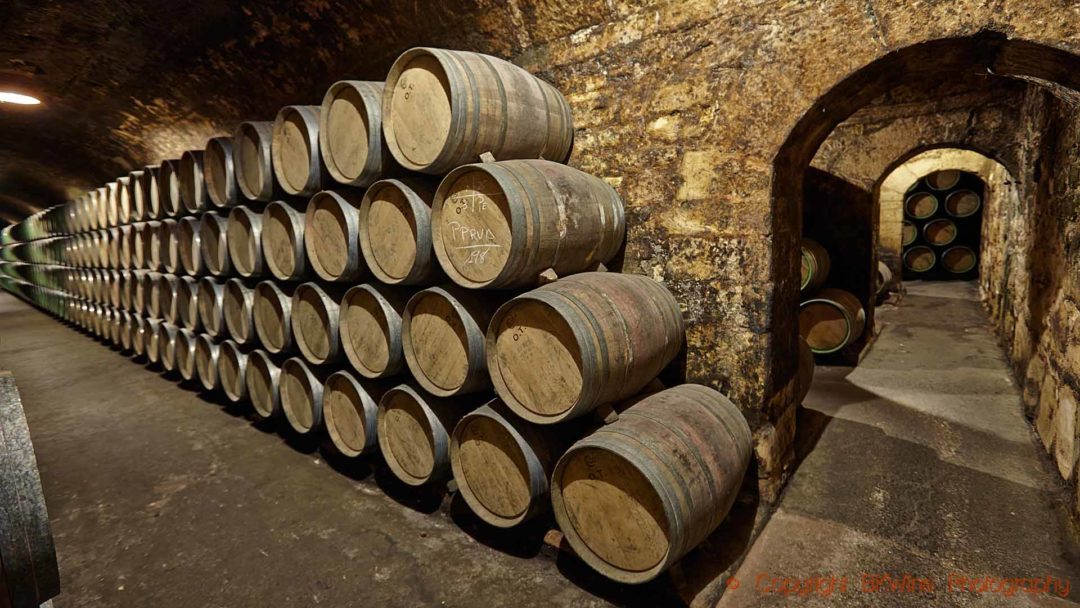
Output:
x,y
25,100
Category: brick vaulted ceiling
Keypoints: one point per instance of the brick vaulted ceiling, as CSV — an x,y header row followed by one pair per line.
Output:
x,y
126,83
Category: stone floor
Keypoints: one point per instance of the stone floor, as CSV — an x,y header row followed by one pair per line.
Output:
x,y
918,462
160,497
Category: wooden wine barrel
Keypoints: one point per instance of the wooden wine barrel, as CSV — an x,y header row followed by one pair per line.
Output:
x,y
414,433
283,241
211,305
909,233
28,571
272,313
207,354
963,203
151,192
560,351
144,248
237,305
442,338
350,411
262,379
814,265
315,317
113,280
112,260
185,353
940,232
126,329
166,303
220,172
959,259
502,464
187,302
442,109
370,329
921,205
831,320
169,189
94,320
157,250
112,204
167,333
123,202
884,277
101,211
502,224
805,372
943,180
137,196
232,370
920,259
127,289
331,225
169,244
101,322
298,166
112,327
192,181
637,495
253,164
350,133
245,241
124,247
301,395
144,287
395,230
213,243
189,245
135,237
153,340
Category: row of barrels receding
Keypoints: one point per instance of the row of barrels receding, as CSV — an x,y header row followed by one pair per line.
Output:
x,y
942,226
504,224
360,298
437,110
629,512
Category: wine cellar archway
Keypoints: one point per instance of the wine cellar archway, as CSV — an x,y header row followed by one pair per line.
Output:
x,y
892,188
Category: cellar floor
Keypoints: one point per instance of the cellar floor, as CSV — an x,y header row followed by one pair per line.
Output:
x,y
159,498
918,462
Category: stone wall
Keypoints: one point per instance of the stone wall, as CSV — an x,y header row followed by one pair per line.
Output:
x,y
975,112
1036,308
704,115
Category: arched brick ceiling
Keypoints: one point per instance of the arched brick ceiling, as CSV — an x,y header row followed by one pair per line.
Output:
x,y
128,83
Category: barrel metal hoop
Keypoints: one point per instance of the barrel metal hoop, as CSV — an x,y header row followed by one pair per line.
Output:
x,y
509,182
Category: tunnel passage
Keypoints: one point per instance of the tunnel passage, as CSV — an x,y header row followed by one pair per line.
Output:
x,y
872,133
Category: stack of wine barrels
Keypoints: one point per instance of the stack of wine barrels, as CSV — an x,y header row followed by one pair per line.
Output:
x,y
943,226
421,286
830,318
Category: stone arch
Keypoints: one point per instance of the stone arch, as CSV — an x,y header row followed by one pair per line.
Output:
x,y
931,61
891,187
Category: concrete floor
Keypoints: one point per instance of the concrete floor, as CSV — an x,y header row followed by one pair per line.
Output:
x,y
160,497
918,462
